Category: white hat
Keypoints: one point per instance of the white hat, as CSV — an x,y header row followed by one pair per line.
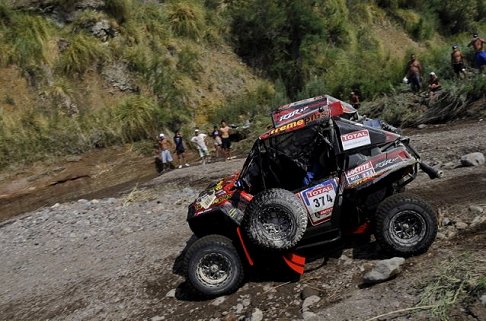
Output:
x,y
161,135
196,130
432,73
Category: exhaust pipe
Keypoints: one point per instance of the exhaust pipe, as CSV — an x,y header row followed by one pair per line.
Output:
x,y
429,170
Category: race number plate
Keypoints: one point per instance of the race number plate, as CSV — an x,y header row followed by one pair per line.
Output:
x,y
319,201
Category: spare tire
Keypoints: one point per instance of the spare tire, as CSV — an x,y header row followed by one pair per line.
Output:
x,y
275,219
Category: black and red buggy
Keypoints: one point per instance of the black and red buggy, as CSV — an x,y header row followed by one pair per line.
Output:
x,y
321,173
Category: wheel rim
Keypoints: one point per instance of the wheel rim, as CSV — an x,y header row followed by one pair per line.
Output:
x,y
276,224
214,270
407,228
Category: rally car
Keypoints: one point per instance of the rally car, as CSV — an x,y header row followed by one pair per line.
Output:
x,y
319,174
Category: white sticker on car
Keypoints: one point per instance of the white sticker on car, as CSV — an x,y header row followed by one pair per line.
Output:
x,y
206,200
360,172
319,201
355,139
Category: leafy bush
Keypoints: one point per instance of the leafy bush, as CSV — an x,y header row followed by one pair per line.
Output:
x,y
25,38
260,101
82,53
187,19
188,61
458,16
137,117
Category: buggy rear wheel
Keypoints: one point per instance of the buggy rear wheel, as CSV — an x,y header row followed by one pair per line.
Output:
x,y
213,266
275,220
405,225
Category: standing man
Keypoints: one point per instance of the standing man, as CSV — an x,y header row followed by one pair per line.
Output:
x,y
199,140
457,62
480,56
225,139
354,100
414,72
217,140
180,150
165,156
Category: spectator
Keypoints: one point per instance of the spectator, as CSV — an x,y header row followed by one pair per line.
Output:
x,y
200,140
225,139
457,61
434,84
414,72
216,135
180,150
354,99
480,56
165,156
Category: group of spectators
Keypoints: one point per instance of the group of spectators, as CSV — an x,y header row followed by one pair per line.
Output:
x,y
414,68
221,141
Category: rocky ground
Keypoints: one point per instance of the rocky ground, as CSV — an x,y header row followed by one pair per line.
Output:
x,y
117,258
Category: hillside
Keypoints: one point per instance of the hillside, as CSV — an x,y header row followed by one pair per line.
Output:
x,y
79,75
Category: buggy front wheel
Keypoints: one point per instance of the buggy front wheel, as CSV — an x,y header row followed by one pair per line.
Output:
x,y
213,266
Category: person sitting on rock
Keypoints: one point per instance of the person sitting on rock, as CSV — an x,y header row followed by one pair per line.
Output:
x,y
434,84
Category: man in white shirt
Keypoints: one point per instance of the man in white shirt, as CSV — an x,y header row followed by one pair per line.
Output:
x,y
199,140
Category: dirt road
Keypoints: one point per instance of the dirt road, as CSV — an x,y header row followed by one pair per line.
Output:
x,y
118,258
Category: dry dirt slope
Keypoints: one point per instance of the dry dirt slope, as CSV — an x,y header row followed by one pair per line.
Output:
x,y
114,258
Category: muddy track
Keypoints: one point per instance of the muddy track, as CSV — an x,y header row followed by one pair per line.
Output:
x,y
117,258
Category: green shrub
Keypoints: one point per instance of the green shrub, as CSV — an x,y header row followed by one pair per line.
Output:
x,y
188,61
119,9
138,117
457,16
186,19
25,38
260,101
82,53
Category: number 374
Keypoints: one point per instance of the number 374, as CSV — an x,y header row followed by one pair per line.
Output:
x,y
322,200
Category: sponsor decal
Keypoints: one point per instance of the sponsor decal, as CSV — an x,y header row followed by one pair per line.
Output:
x,y
292,114
294,111
387,163
293,125
355,139
316,116
360,172
319,201
221,199
206,200
219,185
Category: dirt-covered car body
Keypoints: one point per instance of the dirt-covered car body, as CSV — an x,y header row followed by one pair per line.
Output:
x,y
356,155
340,169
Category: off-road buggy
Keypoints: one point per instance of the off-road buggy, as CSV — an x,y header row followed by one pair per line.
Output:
x,y
315,177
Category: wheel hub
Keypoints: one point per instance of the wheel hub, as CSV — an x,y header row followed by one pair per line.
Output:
x,y
275,223
407,228
214,269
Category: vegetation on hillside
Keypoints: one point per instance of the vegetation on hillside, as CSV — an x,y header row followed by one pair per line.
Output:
x,y
297,48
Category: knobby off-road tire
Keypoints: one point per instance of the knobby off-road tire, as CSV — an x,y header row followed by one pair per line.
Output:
x,y
213,266
275,219
405,225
